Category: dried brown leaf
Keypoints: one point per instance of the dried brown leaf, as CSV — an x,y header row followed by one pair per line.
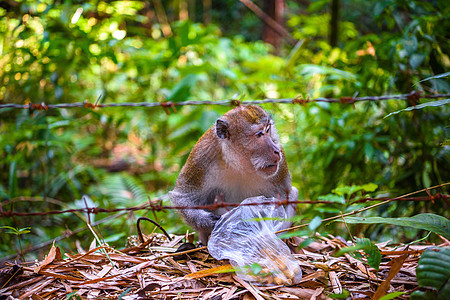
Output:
x,y
317,293
36,287
209,272
230,293
302,293
384,286
253,290
48,260
335,283
105,270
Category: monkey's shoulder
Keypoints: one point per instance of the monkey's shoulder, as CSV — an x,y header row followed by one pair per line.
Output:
x,y
204,155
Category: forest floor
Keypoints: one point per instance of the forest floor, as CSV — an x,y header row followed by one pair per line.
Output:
x,y
153,270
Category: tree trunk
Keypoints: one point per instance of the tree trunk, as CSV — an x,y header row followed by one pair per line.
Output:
x,y
334,22
273,8
183,13
207,11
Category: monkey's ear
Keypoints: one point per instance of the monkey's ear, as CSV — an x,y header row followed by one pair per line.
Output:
x,y
222,129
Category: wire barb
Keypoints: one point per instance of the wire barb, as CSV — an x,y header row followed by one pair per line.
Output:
x,y
156,205
413,97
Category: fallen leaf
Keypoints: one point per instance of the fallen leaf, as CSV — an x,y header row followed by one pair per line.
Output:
x,y
209,272
384,286
48,260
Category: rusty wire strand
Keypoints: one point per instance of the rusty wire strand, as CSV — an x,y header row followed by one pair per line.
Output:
x,y
156,205
413,97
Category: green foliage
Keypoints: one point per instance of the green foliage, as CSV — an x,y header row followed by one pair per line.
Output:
x,y
315,223
52,53
124,293
433,271
344,295
392,295
73,296
17,232
255,268
421,106
426,221
372,252
351,190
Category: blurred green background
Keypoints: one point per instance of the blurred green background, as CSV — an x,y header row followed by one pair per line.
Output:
x,y
177,50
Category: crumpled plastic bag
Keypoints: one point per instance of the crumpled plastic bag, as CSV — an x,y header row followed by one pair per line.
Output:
x,y
252,247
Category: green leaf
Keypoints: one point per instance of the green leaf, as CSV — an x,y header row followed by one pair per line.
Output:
x,y
256,268
433,269
430,222
434,77
416,60
420,106
348,250
369,187
392,295
344,295
315,222
24,230
182,90
16,231
372,252
310,70
124,293
306,243
294,54
349,190
317,5
332,198
73,296
115,237
423,295
12,180
8,227
287,235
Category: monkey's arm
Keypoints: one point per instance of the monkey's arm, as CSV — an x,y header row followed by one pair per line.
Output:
x,y
201,220
291,208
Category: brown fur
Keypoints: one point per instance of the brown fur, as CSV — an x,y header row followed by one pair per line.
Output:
x,y
230,161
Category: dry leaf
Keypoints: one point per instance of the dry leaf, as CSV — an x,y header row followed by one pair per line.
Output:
x,y
335,283
209,272
92,275
384,286
48,260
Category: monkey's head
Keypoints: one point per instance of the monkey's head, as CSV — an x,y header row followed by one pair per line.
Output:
x,y
249,140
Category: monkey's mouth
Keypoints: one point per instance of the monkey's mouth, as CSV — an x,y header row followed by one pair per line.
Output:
x,y
270,168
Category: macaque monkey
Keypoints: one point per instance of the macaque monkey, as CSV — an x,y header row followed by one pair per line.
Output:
x,y
237,158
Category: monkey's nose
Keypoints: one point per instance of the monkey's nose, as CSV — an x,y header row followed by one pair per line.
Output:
x,y
277,155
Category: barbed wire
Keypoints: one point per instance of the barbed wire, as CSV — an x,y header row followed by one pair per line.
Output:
x,y
157,205
413,97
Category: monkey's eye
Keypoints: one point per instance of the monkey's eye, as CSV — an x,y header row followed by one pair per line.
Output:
x,y
268,128
259,133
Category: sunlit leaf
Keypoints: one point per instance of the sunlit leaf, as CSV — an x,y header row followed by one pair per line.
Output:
x,y
392,295
332,198
421,106
426,221
372,252
315,223
434,77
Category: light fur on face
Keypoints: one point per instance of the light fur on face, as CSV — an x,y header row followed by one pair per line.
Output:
x,y
260,163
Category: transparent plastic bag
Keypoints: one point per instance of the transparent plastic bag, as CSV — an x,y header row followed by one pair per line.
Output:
x,y
251,245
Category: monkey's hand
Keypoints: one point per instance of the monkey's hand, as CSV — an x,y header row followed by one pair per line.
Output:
x,y
290,208
198,218
293,196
